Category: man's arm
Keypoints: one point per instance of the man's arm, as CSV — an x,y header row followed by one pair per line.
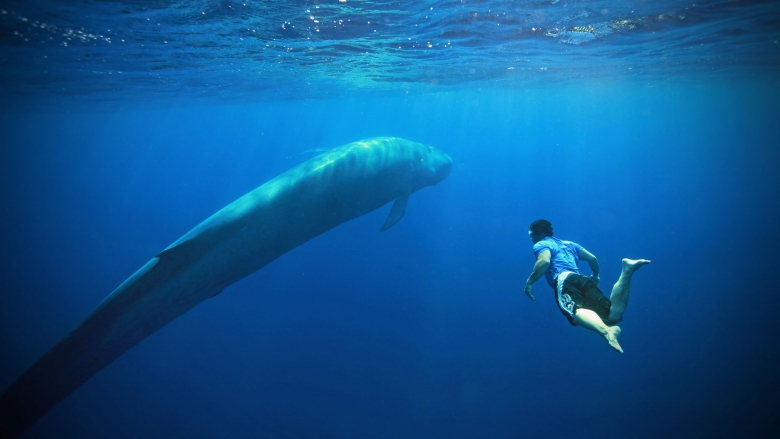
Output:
x,y
592,262
541,265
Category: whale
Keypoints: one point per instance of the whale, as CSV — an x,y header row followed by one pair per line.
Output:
x,y
319,194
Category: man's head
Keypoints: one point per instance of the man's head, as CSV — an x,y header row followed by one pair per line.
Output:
x,y
539,229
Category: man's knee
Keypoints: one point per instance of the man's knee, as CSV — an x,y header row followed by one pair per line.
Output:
x,y
615,317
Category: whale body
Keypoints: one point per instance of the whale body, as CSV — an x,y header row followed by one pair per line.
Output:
x,y
296,206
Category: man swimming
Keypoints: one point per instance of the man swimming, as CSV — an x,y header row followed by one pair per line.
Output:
x,y
578,296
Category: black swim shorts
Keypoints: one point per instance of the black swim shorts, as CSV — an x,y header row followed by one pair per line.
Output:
x,y
580,291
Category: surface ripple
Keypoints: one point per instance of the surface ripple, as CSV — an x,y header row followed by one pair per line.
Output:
x,y
297,49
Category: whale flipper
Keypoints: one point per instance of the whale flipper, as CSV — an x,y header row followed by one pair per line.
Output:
x,y
396,212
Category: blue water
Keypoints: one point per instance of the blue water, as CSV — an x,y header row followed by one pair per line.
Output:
x,y
638,133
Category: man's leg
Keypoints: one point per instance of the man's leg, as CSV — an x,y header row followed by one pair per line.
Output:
x,y
619,296
590,320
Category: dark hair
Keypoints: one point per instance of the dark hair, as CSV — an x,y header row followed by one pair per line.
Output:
x,y
542,226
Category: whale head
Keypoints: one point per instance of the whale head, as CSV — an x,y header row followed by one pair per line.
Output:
x,y
439,164
430,166
414,166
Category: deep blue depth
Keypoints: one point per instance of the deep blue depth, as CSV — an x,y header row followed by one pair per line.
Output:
x,y
423,330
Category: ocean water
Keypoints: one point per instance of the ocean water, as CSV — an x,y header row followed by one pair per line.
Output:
x,y
639,129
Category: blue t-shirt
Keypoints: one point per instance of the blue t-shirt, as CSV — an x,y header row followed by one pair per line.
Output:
x,y
564,256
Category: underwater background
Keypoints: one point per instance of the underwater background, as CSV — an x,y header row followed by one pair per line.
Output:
x,y
640,129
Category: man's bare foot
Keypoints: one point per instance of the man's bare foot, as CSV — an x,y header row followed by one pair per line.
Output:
x,y
632,265
613,332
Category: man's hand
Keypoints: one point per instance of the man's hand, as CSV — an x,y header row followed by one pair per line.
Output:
x,y
528,288
596,279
